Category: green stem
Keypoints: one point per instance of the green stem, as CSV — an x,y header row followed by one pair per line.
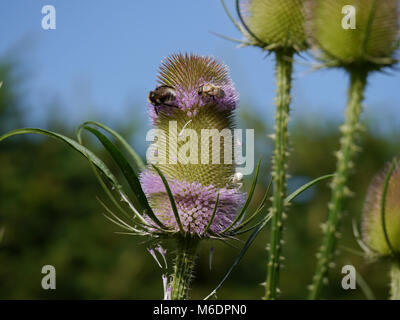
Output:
x,y
395,281
279,166
183,269
340,191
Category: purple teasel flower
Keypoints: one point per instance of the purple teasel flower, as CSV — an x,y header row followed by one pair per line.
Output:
x,y
194,94
192,189
195,203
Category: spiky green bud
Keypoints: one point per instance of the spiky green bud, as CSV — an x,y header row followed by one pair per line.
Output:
x,y
373,229
278,24
354,32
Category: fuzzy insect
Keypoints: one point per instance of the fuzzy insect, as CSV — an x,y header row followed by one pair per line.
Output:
x,y
162,96
210,90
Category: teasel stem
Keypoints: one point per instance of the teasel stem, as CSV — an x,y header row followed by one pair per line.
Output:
x,y
340,191
284,66
395,280
184,266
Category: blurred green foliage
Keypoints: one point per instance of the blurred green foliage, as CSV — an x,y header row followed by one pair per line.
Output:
x,y
50,215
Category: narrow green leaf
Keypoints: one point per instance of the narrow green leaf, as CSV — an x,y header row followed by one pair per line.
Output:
x,y
72,143
353,251
119,222
252,227
171,198
212,216
365,288
238,230
257,211
304,187
136,158
246,246
249,197
244,43
128,172
235,23
362,284
359,240
142,222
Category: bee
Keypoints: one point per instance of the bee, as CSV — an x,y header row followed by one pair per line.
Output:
x,y
211,90
162,96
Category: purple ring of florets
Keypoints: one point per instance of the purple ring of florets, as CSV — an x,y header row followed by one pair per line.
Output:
x,y
190,101
195,203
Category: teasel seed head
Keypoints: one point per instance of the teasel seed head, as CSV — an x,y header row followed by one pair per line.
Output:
x,y
276,24
355,33
373,232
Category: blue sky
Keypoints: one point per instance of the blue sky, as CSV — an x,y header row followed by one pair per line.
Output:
x,y
103,57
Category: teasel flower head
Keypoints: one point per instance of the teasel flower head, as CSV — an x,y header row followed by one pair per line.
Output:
x,y
192,110
381,226
356,33
273,24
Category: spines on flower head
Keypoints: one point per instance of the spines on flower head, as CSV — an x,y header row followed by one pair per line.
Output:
x,y
278,24
188,74
194,109
195,203
354,33
372,227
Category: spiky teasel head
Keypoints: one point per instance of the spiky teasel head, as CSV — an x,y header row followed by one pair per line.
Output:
x,y
276,24
355,33
193,109
373,230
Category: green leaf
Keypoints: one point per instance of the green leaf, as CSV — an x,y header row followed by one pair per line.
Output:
x,y
212,216
128,172
235,23
304,187
257,211
252,227
353,251
136,158
171,198
360,241
365,288
246,246
72,143
142,223
249,197
119,222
